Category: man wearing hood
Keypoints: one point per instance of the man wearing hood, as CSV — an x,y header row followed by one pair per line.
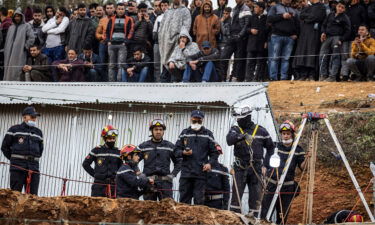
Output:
x,y
199,151
19,38
222,4
174,20
249,140
183,50
80,31
206,25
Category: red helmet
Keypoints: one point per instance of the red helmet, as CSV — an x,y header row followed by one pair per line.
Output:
x,y
128,149
109,131
157,123
287,125
355,218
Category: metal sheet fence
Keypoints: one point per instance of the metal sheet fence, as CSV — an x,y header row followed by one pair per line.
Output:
x,y
70,135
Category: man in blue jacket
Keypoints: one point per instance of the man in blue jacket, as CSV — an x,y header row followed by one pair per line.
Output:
x,y
23,146
198,149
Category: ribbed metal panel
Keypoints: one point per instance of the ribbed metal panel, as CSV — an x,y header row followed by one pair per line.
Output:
x,y
71,134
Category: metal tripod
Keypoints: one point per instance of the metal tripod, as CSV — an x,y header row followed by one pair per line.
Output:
x,y
313,118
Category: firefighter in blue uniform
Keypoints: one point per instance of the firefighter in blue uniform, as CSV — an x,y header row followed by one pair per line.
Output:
x,y
287,131
197,147
23,146
218,187
130,184
107,161
157,155
249,140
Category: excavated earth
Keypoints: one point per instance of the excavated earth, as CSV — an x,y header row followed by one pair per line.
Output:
x,y
79,208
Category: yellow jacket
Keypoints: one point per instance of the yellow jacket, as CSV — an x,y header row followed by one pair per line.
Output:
x,y
366,48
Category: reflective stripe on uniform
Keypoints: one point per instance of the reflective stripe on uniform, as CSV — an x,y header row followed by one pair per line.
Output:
x,y
24,133
261,137
221,172
26,157
104,154
165,148
125,171
284,184
197,135
287,153
146,149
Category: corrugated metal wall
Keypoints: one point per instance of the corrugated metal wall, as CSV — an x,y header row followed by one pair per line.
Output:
x,y
71,134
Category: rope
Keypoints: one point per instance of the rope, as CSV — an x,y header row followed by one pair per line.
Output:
x,y
63,191
28,181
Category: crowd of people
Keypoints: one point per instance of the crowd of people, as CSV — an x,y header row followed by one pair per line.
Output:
x,y
182,42
195,156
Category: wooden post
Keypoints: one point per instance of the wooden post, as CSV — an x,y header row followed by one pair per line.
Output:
x,y
313,145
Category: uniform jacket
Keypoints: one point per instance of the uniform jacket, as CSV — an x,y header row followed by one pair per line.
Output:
x,y
203,144
180,56
107,162
19,39
261,140
157,157
206,28
366,48
218,182
128,184
23,140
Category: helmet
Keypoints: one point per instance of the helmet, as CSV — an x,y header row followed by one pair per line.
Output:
x,y
355,217
157,123
128,149
241,112
109,131
287,125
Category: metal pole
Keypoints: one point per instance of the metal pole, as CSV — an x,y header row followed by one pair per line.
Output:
x,y
346,163
285,170
311,177
236,187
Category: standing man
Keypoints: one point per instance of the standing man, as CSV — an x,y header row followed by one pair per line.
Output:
x,y
19,38
164,5
107,162
80,31
218,186
23,146
120,30
55,29
206,25
248,139
284,30
198,149
5,23
174,21
37,25
237,43
157,154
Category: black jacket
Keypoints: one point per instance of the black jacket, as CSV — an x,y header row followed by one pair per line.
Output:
x,y
241,150
337,26
281,26
371,15
128,184
240,21
218,182
203,144
139,65
358,16
23,140
107,162
39,63
219,12
142,30
297,160
256,42
157,157
79,33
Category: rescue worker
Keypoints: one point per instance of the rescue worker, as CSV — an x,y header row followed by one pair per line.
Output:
x,y
344,216
157,155
287,131
107,162
129,183
23,146
218,187
248,139
197,147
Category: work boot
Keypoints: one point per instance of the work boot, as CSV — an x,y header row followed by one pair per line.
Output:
x,y
330,79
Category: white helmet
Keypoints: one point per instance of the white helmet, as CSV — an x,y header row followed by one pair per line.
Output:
x,y
241,112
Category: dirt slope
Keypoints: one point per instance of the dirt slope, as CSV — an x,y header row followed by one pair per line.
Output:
x,y
79,208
